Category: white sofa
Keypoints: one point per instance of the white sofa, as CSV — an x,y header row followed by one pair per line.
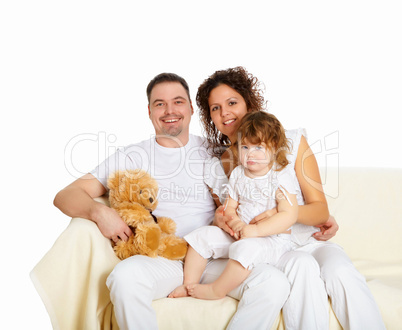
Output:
x,y
365,201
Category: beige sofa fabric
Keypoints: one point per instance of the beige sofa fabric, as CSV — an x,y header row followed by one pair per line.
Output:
x,y
71,276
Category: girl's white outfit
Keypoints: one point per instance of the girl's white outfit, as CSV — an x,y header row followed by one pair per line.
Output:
x,y
314,269
255,196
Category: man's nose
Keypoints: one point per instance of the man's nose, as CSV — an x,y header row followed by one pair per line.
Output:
x,y
169,108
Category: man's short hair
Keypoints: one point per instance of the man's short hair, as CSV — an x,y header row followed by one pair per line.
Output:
x,y
167,77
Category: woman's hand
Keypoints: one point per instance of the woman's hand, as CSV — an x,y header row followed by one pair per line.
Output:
x,y
264,216
327,230
221,220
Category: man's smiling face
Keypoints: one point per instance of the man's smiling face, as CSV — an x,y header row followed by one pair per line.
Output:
x,y
170,111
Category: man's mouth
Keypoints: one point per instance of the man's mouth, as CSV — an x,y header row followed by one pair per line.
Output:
x,y
171,120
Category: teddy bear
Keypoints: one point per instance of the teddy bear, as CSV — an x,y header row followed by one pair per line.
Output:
x,y
133,194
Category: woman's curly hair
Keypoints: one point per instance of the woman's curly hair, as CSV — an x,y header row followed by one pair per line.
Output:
x,y
245,84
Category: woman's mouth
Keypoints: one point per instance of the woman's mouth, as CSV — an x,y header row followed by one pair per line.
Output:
x,y
228,122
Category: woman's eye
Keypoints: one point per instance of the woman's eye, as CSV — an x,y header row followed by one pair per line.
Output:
x,y
214,108
232,103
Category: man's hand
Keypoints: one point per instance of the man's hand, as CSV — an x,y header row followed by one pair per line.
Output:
x,y
327,230
110,224
221,220
264,216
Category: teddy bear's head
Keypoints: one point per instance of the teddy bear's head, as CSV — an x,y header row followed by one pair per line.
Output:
x,y
133,186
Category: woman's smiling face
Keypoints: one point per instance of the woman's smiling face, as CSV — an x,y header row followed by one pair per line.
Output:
x,y
227,107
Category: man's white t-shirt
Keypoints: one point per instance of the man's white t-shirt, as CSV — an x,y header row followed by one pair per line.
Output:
x,y
183,195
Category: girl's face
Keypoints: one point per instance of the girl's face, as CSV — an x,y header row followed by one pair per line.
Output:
x,y
227,107
256,158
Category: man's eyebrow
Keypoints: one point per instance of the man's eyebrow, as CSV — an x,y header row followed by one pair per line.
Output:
x,y
157,100
175,98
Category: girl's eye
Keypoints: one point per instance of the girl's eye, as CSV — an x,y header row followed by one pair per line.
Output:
x,y
258,147
214,108
232,103
244,147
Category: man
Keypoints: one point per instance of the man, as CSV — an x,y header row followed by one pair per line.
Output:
x,y
175,159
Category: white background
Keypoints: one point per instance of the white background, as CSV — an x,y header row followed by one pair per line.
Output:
x,y
75,71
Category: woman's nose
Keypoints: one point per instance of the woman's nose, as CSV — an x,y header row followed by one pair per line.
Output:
x,y
224,111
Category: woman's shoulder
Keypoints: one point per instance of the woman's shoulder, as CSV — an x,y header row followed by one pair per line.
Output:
x,y
294,136
229,161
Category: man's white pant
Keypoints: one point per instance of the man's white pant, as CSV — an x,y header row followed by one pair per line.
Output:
x,y
138,280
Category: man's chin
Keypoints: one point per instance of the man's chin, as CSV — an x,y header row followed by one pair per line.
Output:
x,y
172,132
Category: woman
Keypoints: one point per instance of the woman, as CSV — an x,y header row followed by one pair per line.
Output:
x,y
314,270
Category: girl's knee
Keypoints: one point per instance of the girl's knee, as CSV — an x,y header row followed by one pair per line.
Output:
x,y
244,251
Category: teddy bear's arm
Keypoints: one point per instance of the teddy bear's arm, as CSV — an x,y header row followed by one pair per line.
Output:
x,y
134,214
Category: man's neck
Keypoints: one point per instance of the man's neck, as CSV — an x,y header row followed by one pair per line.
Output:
x,y
167,141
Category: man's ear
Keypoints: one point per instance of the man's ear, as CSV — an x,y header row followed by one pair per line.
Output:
x,y
149,112
192,109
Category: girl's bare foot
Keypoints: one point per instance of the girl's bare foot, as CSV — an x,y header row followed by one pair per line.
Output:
x,y
180,291
203,291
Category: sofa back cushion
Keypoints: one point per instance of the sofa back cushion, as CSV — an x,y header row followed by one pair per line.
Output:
x,y
367,204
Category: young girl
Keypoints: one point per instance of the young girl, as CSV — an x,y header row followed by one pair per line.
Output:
x,y
261,182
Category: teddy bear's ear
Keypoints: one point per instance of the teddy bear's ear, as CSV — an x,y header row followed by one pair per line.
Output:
x,y
114,180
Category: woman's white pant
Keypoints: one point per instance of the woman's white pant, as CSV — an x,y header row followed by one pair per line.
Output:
x,y
320,268
138,280
314,270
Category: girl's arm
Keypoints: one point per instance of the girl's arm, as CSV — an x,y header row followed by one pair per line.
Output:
x,y
280,222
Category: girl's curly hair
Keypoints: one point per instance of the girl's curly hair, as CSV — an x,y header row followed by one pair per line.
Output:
x,y
245,84
258,127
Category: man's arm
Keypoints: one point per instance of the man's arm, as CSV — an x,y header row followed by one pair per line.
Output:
x,y
77,200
